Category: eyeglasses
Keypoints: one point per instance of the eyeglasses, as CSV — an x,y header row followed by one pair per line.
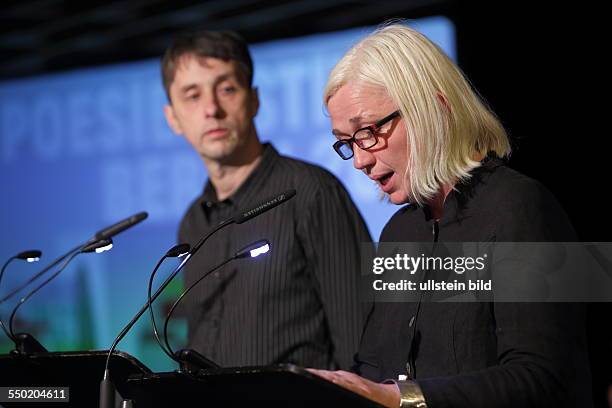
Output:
x,y
365,138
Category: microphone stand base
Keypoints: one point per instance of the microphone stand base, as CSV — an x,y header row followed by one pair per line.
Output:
x,y
190,361
25,343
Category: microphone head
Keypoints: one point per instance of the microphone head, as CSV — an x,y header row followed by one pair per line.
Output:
x,y
121,226
289,193
254,250
98,246
178,250
30,256
264,206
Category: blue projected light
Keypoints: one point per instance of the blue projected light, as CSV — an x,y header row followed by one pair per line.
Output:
x,y
83,149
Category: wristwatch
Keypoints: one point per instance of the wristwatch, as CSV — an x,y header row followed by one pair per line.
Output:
x,y
411,395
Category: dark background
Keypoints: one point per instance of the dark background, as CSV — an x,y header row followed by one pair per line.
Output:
x,y
537,65
541,68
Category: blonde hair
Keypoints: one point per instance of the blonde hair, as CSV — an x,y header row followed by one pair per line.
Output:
x,y
447,125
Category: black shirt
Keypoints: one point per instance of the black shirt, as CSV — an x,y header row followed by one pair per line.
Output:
x,y
483,354
298,303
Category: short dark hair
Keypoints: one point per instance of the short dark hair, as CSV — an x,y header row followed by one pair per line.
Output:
x,y
225,45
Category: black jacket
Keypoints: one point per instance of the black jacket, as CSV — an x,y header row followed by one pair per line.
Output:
x,y
483,354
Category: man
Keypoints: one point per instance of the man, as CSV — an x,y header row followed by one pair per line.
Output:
x,y
406,116
299,303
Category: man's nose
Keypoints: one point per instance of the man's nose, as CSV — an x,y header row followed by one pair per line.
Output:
x,y
212,108
362,159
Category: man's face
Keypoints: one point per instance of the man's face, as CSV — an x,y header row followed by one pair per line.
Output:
x,y
212,107
355,106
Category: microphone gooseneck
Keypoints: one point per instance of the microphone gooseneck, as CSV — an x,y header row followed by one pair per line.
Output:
x,y
106,399
31,293
29,256
253,250
239,218
175,304
159,290
41,273
174,252
105,233
85,248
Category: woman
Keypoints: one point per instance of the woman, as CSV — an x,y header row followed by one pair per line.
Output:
x,y
406,116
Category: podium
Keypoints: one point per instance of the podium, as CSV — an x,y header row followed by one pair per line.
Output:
x,y
81,371
274,386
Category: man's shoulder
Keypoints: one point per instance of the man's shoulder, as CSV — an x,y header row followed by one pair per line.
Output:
x,y
305,173
192,220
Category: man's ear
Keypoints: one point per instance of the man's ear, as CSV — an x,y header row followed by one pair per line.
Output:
x,y
254,101
172,120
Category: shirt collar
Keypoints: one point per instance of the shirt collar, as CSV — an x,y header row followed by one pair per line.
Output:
x,y
249,187
457,199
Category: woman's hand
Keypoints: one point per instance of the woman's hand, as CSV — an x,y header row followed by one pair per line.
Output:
x,y
385,394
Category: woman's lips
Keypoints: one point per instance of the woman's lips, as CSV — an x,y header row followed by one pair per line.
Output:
x,y
385,182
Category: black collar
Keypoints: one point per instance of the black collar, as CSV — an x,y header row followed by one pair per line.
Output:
x,y
249,187
458,198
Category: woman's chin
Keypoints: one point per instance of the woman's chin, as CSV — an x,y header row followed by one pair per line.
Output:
x,y
398,197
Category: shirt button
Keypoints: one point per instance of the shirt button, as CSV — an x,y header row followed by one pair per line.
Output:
x,y
217,274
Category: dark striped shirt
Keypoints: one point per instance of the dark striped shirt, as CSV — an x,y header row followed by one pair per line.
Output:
x,y
298,303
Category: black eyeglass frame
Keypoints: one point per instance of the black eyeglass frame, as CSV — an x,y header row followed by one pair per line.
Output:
x,y
372,129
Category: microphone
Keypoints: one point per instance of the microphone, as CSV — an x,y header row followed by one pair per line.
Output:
x,y
252,250
264,206
176,251
105,233
107,392
243,216
99,246
23,340
28,256
39,274
121,226
32,255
